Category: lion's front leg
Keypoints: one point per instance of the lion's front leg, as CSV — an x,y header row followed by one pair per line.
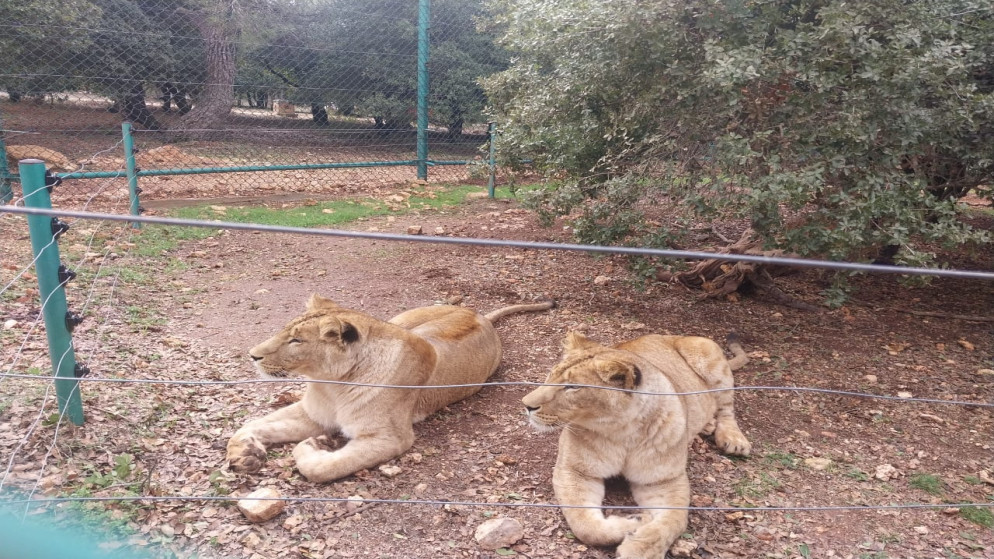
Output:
x,y
664,524
575,489
247,448
365,451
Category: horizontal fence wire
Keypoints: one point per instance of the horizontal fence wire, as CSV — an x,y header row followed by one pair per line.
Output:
x,y
529,245
432,502
772,388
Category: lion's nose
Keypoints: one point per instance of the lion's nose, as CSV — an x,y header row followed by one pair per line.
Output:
x,y
254,358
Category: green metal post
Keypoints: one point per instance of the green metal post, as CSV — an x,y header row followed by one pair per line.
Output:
x,y
52,292
131,169
424,17
492,159
6,194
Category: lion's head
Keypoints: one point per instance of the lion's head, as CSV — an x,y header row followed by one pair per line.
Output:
x,y
319,344
572,396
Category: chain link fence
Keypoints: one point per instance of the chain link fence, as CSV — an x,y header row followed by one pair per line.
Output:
x,y
253,97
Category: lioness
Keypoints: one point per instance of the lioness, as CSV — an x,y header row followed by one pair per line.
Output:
x,y
639,436
425,346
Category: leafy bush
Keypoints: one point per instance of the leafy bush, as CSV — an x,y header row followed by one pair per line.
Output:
x,y
831,127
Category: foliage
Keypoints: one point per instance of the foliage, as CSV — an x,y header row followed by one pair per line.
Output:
x,y
357,58
830,127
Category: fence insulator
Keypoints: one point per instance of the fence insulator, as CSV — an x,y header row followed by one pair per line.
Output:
x,y
51,181
81,370
73,320
59,227
65,274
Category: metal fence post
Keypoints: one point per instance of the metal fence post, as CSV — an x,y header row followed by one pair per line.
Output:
x,y
424,17
52,277
492,159
6,194
132,170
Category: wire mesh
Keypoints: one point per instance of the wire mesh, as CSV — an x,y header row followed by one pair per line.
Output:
x,y
211,85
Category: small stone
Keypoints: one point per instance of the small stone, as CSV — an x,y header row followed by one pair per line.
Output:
x,y
965,345
498,532
905,394
886,472
817,464
390,470
602,280
7,325
414,230
981,372
261,505
683,548
921,530
872,379
440,230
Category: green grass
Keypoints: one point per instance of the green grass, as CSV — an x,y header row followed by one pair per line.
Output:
x,y
783,459
928,483
978,515
336,212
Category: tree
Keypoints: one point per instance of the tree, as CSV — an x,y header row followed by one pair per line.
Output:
x,y
832,127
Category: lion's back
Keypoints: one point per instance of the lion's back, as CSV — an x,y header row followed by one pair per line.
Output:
x,y
467,347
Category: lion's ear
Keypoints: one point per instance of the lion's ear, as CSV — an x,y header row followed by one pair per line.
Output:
x,y
619,374
575,340
318,303
333,329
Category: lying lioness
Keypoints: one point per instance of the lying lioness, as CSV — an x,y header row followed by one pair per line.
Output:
x,y
629,433
435,345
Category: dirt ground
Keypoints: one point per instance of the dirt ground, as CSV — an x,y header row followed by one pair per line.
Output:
x,y
192,316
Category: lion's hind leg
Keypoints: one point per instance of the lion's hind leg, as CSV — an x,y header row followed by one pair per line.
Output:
x,y
247,448
663,525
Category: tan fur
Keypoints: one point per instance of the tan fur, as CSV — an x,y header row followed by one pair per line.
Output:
x,y
436,345
641,437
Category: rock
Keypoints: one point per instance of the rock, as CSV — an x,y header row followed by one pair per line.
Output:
x,y
414,230
905,394
390,470
886,472
261,505
966,345
817,463
602,280
981,372
7,325
440,230
872,379
498,532
683,548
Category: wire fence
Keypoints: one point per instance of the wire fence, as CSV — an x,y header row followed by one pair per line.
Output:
x,y
105,252
314,98
311,98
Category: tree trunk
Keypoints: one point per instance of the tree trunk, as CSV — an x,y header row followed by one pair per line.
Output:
x,y
219,30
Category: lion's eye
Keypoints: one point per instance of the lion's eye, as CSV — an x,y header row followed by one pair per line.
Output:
x,y
572,388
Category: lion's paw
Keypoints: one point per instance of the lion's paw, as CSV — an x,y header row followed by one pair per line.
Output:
x,y
709,428
635,548
246,454
733,442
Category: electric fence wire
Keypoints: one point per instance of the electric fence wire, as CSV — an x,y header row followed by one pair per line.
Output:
x,y
528,245
529,384
498,504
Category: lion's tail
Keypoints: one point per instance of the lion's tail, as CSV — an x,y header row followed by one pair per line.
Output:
x,y
543,305
734,343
